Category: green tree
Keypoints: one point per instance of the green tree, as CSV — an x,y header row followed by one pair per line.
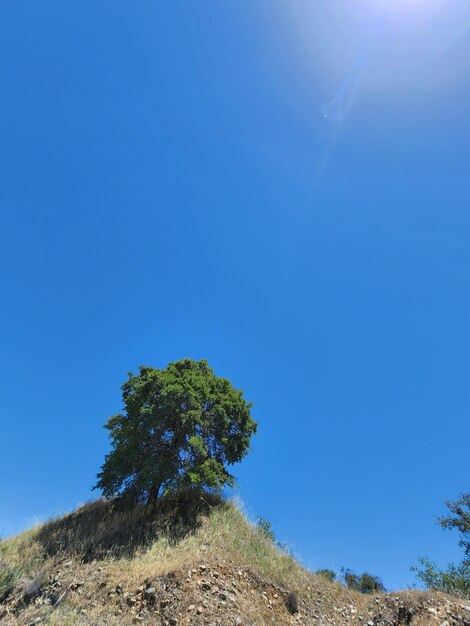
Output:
x,y
459,519
455,579
181,428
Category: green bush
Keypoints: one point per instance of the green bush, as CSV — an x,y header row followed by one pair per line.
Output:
x,y
8,579
327,574
264,526
459,520
365,583
454,580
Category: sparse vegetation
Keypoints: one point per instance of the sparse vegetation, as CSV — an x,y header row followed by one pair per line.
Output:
x,y
8,578
108,564
327,574
265,528
182,427
364,583
459,519
455,579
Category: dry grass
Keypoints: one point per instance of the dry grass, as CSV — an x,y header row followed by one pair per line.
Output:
x,y
225,535
128,546
104,530
110,547
141,540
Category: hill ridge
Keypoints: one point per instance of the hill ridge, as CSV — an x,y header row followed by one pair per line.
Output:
x,y
219,570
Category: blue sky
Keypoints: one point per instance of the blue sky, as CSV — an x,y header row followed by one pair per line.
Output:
x,y
171,187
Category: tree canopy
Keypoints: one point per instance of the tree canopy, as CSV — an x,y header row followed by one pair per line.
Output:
x,y
455,579
459,519
182,426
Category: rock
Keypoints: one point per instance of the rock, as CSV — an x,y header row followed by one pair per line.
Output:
x,y
30,591
53,599
200,610
150,591
292,603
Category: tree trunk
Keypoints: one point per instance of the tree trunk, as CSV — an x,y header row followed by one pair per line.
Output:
x,y
154,492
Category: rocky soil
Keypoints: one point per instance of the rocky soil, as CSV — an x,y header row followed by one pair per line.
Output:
x,y
211,594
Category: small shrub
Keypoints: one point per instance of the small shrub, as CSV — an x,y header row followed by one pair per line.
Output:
x,y
264,526
366,583
454,580
8,579
350,579
327,574
370,584
292,603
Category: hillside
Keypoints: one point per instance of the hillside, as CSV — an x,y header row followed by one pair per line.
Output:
x,y
192,562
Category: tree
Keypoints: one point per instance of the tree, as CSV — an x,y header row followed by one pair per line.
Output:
x,y
181,428
460,520
455,579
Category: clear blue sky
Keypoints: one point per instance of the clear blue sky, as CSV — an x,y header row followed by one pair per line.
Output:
x,y
171,187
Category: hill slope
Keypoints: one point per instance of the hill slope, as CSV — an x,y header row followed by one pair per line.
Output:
x,y
192,562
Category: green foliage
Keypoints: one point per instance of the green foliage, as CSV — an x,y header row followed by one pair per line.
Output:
x,y
181,428
327,574
365,583
8,578
459,520
264,526
454,580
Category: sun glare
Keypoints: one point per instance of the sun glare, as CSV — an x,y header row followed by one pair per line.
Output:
x,y
405,7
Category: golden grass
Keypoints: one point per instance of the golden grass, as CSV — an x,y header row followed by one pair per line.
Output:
x,y
109,546
132,545
139,540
